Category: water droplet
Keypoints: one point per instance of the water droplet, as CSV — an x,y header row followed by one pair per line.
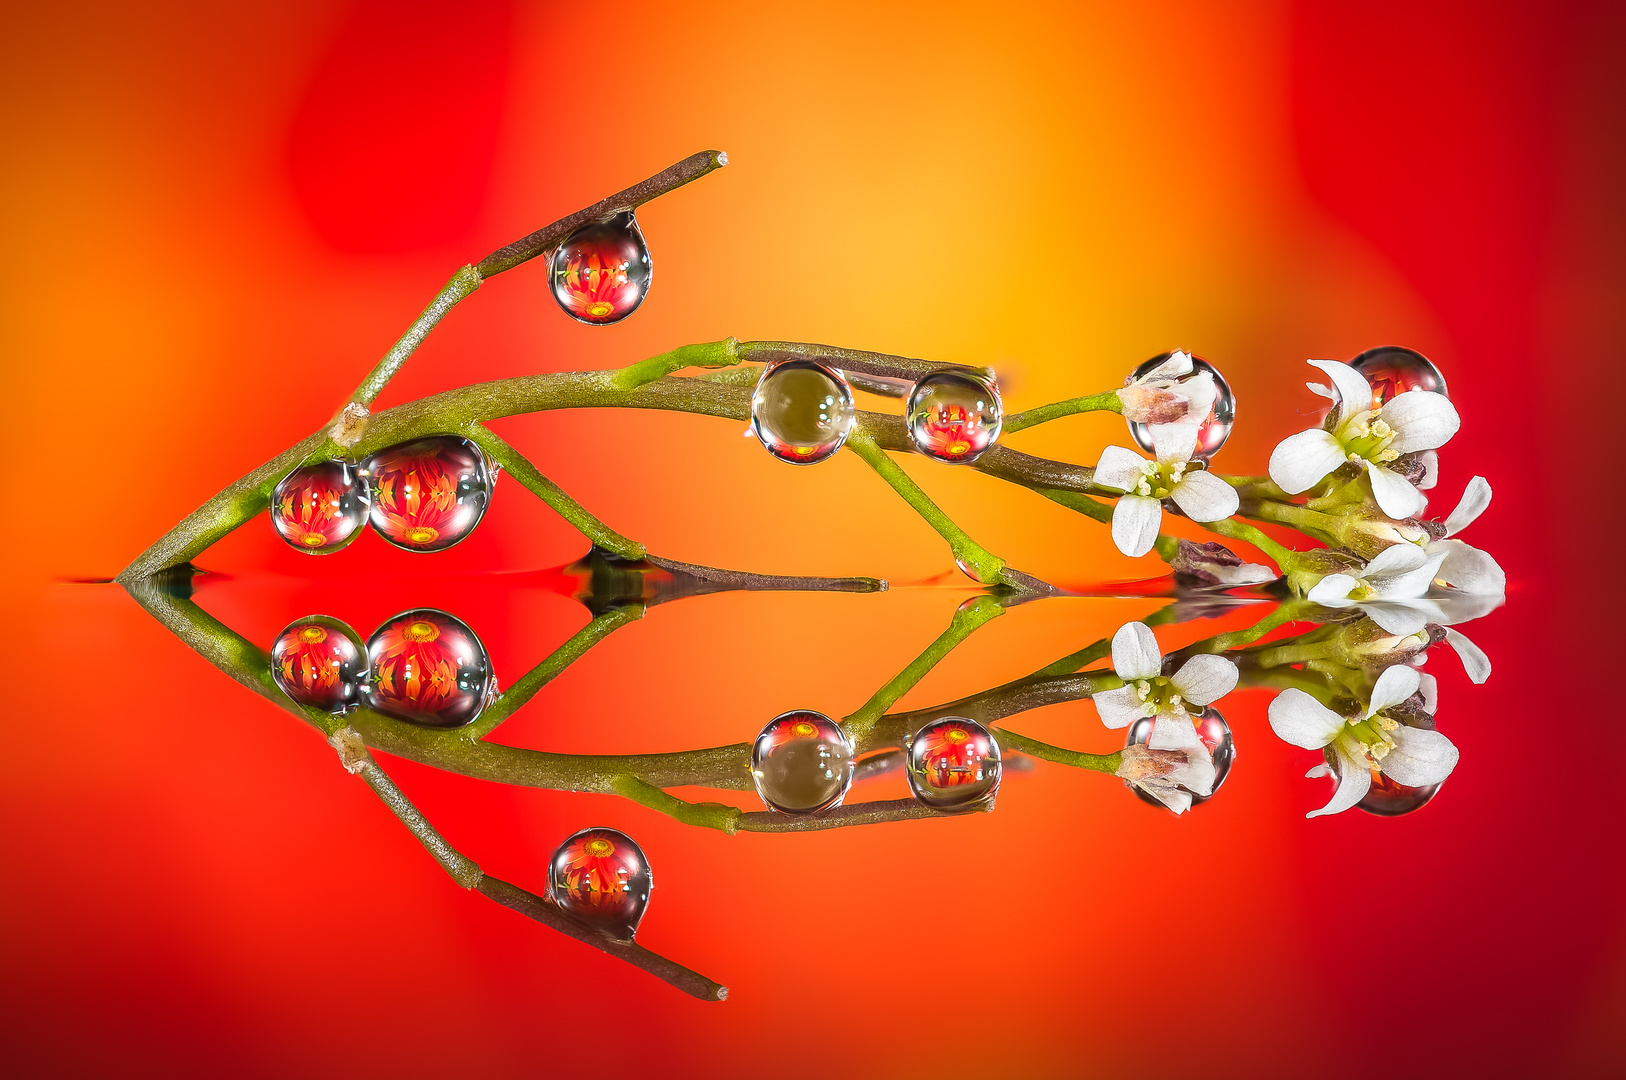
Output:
x,y
954,416
1215,734
954,765
601,877
601,274
320,508
801,411
1216,429
429,668
802,763
1385,798
428,494
320,662
1394,370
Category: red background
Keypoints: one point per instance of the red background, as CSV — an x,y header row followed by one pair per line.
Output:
x,y
218,219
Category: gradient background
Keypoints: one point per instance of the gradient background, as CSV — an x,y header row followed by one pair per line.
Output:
x,y
216,220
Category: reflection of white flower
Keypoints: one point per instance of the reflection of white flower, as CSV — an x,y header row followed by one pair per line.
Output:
x,y
1201,681
1217,564
1411,756
1369,438
1198,493
1464,568
1170,393
1407,619
1169,776
1400,572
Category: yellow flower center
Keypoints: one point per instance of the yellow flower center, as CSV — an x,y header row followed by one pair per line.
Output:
x,y
313,540
599,308
955,736
599,848
422,632
422,534
804,730
312,635
803,451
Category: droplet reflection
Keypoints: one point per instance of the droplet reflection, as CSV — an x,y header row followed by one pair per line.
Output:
x,y
601,274
429,668
319,509
1215,734
430,493
601,877
954,765
802,763
1215,429
954,416
802,411
1393,370
320,662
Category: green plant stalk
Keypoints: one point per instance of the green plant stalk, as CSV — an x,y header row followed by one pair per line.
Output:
x,y
463,283
967,619
580,518
1104,402
1106,763
711,354
1236,639
971,555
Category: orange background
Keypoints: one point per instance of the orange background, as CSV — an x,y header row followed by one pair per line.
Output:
x,y
218,219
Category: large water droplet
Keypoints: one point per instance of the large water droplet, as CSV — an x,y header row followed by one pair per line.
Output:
x,y
1394,370
601,274
954,416
802,763
1385,798
1215,734
954,765
320,508
1215,429
802,411
601,877
429,668
320,662
428,494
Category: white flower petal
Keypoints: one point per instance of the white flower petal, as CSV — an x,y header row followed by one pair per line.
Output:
x,y
1400,617
1197,774
1475,498
1321,390
1469,570
1173,442
1204,496
1474,660
1422,419
1119,708
1419,757
1395,559
1178,364
1394,492
1412,583
1249,573
1332,587
1397,683
1301,461
1205,678
1119,469
1135,654
1135,521
1429,687
1354,781
1201,392
1322,769
1167,794
1431,470
1174,731
1300,719
1354,392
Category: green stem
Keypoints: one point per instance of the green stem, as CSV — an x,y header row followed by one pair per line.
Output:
x,y
464,282
1236,639
711,354
1106,763
972,556
1297,517
1104,402
967,618
529,684
579,517
1241,530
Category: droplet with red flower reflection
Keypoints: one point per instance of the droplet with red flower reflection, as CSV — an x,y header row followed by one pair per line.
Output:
x,y
428,494
320,662
601,274
954,765
802,763
1215,429
1393,370
602,878
320,508
427,667
1385,798
802,411
1215,734
954,416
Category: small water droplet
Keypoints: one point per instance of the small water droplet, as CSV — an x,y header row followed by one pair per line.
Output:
x,y
1394,370
320,662
802,763
428,667
1216,429
320,508
802,411
954,765
954,416
428,494
601,877
601,274
1215,734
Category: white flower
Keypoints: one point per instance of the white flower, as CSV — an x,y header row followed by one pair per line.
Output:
x,y
1170,393
1464,568
1169,776
1199,494
1411,756
1400,572
1217,564
1369,438
1201,681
